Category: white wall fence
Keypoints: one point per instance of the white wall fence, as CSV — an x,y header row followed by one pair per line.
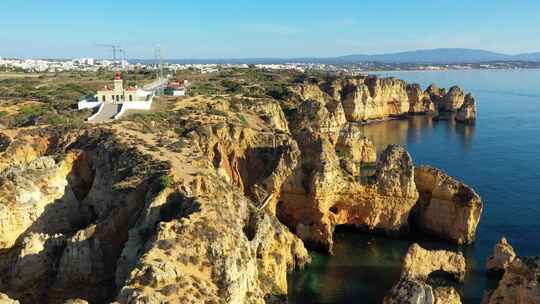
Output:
x,y
97,113
85,104
134,105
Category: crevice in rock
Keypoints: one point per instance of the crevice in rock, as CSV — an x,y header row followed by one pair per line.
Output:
x,y
250,227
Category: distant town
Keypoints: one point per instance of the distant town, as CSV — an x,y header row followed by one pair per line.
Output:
x,y
92,65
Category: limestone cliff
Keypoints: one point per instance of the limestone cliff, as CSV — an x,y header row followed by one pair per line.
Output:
x,y
453,100
365,98
447,208
467,112
320,195
113,213
211,202
420,101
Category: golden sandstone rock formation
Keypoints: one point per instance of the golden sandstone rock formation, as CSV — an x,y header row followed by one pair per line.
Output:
x,y
467,112
520,282
503,256
203,207
418,264
365,98
447,208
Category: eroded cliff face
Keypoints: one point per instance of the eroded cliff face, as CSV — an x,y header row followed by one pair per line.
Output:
x,y
365,98
322,195
207,207
115,214
67,216
447,208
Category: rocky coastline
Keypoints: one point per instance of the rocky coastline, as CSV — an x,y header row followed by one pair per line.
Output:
x,y
205,207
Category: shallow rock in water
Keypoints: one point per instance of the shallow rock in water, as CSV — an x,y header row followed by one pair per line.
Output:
x,y
520,283
467,113
503,255
419,263
447,208
446,295
408,291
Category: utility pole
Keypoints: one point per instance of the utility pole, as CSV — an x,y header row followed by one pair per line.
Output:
x,y
160,77
123,57
115,48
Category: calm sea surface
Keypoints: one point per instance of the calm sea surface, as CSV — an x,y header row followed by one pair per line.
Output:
x,y
499,157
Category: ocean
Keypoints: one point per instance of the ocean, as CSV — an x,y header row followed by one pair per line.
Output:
x,y
498,157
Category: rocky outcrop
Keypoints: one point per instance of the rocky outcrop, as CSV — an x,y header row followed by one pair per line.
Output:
x,y
408,291
520,283
314,115
503,255
447,208
376,98
355,149
436,94
320,195
215,246
366,98
420,101
418,264
31,190
467,113
453,100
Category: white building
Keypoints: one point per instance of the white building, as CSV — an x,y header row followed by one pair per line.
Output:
x,y
132,98
117,94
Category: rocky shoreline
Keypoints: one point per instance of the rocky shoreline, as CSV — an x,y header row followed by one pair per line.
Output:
x,y
205,207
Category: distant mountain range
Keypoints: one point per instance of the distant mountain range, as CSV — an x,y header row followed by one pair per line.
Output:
x,y
442,56
434,56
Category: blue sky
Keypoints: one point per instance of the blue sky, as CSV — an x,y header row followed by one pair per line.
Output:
x,y
278,28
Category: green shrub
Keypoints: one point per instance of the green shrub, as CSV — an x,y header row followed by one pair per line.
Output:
x,y
165,181
242,119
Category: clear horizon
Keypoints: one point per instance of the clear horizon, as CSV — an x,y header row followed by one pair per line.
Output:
x,y
243,29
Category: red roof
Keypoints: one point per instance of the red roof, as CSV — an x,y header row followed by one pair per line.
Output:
x,y
117,76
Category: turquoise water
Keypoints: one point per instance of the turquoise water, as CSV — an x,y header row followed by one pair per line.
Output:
x,y
499,157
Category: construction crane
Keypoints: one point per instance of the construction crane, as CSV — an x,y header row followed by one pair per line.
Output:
x,y
115,48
